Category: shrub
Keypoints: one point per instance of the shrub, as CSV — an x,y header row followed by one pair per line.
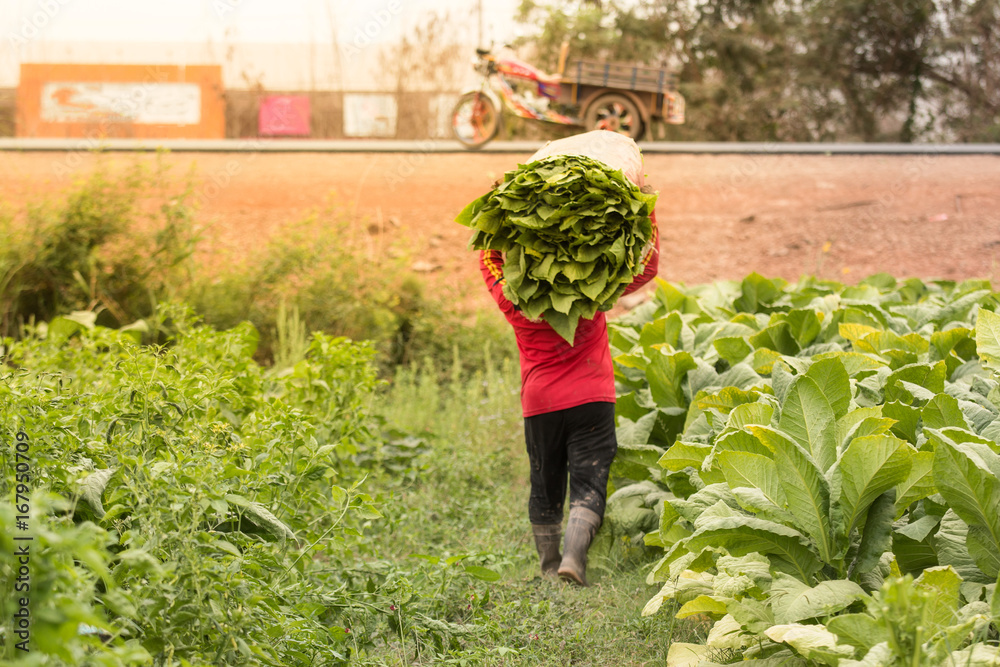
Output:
x,y
115,245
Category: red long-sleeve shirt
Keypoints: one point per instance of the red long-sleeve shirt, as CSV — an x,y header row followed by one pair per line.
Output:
x,y
554,374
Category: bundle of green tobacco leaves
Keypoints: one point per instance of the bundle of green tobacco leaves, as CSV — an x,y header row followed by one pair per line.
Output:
x,y
573,232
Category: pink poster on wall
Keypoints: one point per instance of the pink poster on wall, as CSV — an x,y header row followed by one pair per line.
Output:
x,y
284,116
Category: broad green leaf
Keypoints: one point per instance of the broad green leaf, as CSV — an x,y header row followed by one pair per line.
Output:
x,y
681,654
665,373
855,362
855,332
977,655
665,330
742,535
831,378
929,376
869,467
907,419
876,539
807,416
764,360
742,441
684,455
859,630
971,489
982,548
753,471
775,337
940,607
919,482
943,411
794,601
733,349
750,413
756,291
805,487
703,604
727,634
950,545
803,324
228,547
988,339
849,421
687,586
814,642
636,461
630,432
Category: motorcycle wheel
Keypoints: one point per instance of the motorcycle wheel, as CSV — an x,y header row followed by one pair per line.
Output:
x,y
616,113
475,120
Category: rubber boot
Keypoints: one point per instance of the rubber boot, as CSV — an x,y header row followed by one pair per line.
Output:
x,y
583,524
547,538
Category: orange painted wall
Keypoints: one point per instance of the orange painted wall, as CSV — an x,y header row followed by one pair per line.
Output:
x,y
30,123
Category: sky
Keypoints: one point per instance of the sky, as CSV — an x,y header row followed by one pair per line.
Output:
x,y
280,21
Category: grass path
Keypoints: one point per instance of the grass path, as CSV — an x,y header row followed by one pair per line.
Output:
x,y
468,499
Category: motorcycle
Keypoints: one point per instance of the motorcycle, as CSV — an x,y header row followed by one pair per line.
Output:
x,y
593,95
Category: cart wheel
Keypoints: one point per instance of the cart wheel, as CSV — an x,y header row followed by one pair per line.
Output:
x,y
475,120
616,113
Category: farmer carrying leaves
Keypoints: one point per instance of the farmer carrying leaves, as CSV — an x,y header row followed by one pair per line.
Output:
x,y
562,238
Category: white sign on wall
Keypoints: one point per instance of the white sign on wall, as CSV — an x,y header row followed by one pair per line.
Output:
x,y
369,115
141,103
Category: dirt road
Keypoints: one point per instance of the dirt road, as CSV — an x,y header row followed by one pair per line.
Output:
x,y
839,217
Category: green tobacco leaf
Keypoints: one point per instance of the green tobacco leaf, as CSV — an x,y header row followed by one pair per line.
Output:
x,y
814,642
743,469
733,349
792,600
930,377
907,419
943,411
703,604
756,291
663,331
971,488
950,545
877,536
750,413
850,421
682,654
988,339
807,416
919,482
629,432
775,337
636,461
665,373
743,535
831,378
859,630
981,545
869,467
803,325
741,441
684,455
805,487
939,608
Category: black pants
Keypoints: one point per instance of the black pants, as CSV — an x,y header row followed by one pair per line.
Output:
x,y
580,441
